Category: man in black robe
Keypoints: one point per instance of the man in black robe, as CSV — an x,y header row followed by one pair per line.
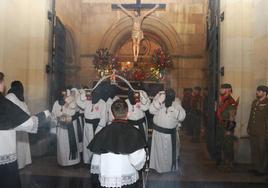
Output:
x,y
12,119
121,149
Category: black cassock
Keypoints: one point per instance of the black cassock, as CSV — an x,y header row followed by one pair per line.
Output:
x,y
11,116
119,138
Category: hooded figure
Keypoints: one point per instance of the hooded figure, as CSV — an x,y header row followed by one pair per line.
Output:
x,y
168,114
64,116
16,95
61,97
96,96
112,98
95,118
170,97
138,103
131,97
113,91
104,89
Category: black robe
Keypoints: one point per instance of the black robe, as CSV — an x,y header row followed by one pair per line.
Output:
x,y
11,115
119,137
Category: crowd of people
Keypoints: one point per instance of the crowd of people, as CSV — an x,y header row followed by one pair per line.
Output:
x,y
195,104
109,134
87,123
196,107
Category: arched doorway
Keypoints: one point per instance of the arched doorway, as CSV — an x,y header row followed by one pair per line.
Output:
x,y
154,28
158,33
65,64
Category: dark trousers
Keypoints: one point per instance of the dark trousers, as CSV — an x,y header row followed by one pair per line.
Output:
x,y
259,153
9,176
219,143
228,148
187,124
196,126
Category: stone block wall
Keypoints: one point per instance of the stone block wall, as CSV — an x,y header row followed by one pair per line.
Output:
x,y
24,47
187,18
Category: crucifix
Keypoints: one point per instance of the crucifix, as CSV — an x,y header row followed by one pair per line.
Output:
x,y
137,18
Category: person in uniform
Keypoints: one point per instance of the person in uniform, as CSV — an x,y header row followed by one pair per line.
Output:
x,y
258,131
168,113
205,112
121,150
186,104
205,107
196,113
225,138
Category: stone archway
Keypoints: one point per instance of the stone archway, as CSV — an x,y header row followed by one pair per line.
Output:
x,y
154,27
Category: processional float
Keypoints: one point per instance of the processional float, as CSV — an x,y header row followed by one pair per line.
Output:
x,y
113,77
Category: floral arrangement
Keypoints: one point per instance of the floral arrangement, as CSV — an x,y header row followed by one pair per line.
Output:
x,y
162,59
102,58
105,63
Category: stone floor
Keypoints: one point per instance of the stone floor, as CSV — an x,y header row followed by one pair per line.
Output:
x,y
196,167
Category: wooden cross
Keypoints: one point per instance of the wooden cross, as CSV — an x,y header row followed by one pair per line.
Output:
x,y
139,6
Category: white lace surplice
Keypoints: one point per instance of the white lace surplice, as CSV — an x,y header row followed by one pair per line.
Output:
x,y
117,170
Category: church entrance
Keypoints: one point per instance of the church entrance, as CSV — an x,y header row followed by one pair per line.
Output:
x,y
193,64
187,45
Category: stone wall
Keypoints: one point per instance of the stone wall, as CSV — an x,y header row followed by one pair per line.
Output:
x,y
24,47
243,54
182,24
260,42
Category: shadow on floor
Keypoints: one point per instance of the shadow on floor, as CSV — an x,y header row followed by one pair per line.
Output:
x,y
29,181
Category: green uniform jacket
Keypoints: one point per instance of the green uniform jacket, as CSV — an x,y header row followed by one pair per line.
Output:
x,y
258,120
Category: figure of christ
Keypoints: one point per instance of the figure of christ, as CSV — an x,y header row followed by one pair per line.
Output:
x,y
137,33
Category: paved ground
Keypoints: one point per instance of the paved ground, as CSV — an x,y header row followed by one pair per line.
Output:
x,y
197,171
